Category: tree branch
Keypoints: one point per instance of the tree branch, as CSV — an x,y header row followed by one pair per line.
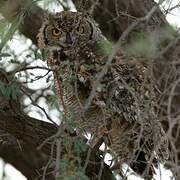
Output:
x,y
35,140
24,158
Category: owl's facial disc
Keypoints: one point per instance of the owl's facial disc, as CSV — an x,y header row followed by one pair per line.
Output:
x,y
66,30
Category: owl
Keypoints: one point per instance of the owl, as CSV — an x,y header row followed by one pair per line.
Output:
x,y
116,101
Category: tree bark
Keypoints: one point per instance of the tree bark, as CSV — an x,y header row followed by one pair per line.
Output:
x,y
25,158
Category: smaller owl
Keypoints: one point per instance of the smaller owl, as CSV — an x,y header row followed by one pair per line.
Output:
x,y
121,106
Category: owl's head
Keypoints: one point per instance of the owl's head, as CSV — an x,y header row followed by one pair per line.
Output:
x,y
66,30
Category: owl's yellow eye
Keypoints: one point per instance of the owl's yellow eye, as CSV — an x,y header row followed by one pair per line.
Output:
x,y
56,32
80,29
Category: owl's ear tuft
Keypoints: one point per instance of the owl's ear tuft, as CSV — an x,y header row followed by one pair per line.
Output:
x,y
41,38
48,16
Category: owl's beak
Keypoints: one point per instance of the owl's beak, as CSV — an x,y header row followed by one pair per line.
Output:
x,y
68,40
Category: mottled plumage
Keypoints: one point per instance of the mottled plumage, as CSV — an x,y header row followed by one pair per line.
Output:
x,y
123,105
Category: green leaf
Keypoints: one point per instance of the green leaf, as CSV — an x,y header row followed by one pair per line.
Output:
x,y
81,174
10,91
15,90
89,66
2,88
4,55
79,146
104,46
10,32
39,54
14,61
44,55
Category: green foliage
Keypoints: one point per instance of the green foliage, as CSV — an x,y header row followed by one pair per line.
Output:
x,y
89,66
148,45
70,163
66,62
52,101
10,91
70,80
143,45
79,146
81,174
9,31
69,170
3,28
4,55
78,175
69,121
104,47
43,54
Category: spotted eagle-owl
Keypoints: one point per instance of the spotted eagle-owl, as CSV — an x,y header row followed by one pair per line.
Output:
x,y
120,105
